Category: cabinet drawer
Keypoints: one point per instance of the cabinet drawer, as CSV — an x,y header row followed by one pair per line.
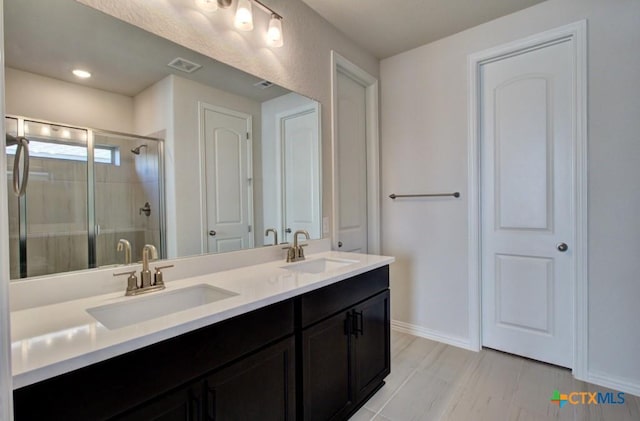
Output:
x,y
322,303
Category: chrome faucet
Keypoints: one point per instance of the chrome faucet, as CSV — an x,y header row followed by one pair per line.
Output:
x,y
295,253
146,283
275,235
145,275
126,246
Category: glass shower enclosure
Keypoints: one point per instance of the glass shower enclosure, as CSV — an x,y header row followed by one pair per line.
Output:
x,y
87,189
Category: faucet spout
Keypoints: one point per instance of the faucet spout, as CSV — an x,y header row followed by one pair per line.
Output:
x,y
275,235
295,237
126,246
295,252
146,273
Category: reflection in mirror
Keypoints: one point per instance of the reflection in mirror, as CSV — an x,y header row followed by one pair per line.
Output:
x,y
66,220
189,154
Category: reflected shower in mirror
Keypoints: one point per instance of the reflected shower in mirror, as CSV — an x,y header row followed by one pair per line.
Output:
x,y
190,155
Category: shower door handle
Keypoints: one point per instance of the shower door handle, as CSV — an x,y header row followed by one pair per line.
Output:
x,y
20,188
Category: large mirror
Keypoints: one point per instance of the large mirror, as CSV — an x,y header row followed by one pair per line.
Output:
x,y
160,145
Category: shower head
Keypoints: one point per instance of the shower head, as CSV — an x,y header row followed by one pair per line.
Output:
x,y
137,150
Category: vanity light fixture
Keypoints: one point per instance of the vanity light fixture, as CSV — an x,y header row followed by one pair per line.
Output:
x,y
243,19
274,34
82,74
244,16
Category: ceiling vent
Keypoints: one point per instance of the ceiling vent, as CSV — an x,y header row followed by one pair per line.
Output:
x,y
264,84
184,65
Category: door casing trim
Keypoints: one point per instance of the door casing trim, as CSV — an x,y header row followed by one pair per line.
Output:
x,y
576,34
339,64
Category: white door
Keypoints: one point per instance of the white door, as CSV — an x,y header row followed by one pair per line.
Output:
x,y
527,197
352,165
301,173
227,180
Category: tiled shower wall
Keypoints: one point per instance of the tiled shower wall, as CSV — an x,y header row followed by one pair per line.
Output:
x,y
120,193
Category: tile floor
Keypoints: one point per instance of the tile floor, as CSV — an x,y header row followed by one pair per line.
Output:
x,y
434,381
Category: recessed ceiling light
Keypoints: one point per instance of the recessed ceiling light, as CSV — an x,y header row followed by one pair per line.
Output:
x,y
82,74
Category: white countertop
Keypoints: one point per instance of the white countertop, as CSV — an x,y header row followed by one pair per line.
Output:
x,y
54,339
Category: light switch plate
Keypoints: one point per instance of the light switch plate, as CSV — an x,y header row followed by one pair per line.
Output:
x,y
325,225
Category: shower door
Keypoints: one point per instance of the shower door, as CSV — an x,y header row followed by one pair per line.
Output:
x,y
87,189
48,226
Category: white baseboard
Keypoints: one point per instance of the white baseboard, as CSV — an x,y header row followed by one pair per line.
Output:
x,y
434,335
612,382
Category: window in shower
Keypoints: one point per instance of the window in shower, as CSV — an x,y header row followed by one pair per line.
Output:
x,y
59,150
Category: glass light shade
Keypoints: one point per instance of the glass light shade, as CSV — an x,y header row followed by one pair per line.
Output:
x,y
244,16
208,6
274,34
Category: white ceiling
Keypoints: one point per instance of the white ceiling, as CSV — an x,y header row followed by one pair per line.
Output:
x,y
53,37
389,27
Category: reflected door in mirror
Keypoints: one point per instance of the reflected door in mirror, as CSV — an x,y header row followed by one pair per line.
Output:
x,y
227,180
301,172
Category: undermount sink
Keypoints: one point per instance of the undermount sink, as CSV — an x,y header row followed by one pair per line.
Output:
x,y
319,265
140,309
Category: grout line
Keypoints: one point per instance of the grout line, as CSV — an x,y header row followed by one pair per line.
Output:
x,y
393,395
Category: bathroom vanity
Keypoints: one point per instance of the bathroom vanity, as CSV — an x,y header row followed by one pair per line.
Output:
x,y
296,341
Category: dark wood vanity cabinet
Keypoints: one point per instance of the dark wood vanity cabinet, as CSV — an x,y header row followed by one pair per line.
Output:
x,y
258,387
166,380
346,356
319,356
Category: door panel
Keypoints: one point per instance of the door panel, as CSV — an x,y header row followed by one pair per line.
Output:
x,y
352,165
531,277
301,170
523,164
371,341
526,152
227,178
327,391
238,392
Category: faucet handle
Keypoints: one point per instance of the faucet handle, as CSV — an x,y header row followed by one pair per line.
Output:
x,y
132,282
133,272
158,275
301,251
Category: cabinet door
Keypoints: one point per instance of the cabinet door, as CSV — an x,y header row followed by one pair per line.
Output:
x,y
326,386
185,404
258,387
371,344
